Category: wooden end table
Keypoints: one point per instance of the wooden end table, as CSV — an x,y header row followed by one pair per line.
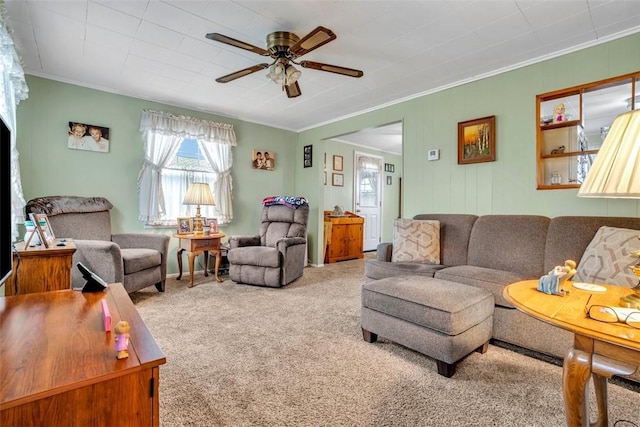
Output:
x,y
600,350
195,244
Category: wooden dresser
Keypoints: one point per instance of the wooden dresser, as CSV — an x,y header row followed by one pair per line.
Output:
x,y
343,236
59,366
40,269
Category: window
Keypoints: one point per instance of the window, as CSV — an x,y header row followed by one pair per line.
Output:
x,y
180,150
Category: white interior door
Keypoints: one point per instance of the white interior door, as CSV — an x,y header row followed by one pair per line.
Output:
x,y
368,197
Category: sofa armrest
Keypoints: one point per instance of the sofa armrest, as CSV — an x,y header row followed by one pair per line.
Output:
x,y
100,256
240,241
383,252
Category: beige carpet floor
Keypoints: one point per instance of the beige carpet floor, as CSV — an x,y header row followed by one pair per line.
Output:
x,y
241,355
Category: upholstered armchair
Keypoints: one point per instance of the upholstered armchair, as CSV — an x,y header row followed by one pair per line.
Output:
x,y
137,260
275,256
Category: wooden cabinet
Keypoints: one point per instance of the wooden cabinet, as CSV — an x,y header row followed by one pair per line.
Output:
x,y
572,124
59,365
343,237
40,269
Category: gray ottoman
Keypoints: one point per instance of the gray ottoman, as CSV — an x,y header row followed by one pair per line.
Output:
x,y
443,320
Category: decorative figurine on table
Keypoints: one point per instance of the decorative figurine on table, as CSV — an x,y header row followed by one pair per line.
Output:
x,y
337,211
550,283
122,339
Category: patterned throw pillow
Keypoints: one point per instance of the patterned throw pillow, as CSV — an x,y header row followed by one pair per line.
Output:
x,y
416,241
608,257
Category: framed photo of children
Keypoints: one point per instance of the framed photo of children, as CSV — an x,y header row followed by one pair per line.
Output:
x,y
82,136
213,225
185,225
263,159
307,156
477,140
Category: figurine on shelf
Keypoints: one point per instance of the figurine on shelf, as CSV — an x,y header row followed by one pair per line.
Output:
x,y
550,283
337,211
558,113
558,150
122,339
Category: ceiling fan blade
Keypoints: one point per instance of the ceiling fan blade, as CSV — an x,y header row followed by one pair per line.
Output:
x,y
316,38
293,90
332,68
241,73
237,43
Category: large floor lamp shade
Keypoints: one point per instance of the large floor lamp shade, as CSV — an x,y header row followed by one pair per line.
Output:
x,y
199,193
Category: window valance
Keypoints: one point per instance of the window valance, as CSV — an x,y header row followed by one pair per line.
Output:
x,y
164,123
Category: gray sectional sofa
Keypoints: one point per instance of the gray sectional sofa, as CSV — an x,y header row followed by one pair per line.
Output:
x,y
493,251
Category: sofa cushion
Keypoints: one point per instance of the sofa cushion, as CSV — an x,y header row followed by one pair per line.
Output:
x,y
416,241
489,279
513,243
455,230
449,308
261,256
139,259
376,269
608,257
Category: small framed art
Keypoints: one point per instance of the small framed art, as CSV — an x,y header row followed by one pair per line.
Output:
x,y
308,156
185,225
477,140
337,179
389,180
337,163
213,225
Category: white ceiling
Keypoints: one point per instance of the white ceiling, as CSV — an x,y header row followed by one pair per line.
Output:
x,y
157,50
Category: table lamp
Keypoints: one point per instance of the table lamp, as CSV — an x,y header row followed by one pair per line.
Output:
x,y
615,173
199,193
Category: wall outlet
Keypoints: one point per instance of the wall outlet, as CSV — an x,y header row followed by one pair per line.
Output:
x,y
433,154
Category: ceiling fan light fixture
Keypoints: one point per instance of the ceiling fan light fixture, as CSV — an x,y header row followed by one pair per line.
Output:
x,y
292,74
276,71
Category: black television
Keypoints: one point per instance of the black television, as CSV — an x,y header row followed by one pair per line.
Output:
x,y
6,242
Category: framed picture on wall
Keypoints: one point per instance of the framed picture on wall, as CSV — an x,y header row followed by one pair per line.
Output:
x,y
82,136
337,163
337,179
307,156
262,159
389,180
477,140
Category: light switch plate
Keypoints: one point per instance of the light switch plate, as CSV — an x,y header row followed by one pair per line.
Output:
x,y
433,154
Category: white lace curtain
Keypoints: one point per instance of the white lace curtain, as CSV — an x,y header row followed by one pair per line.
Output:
x,y
13,89
162,134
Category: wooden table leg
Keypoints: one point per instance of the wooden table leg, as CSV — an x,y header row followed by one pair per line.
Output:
x,y
206,260
192,257
576,372
215,271
179,264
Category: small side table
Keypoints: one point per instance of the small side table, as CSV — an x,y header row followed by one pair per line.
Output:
x,y
41,269
195,244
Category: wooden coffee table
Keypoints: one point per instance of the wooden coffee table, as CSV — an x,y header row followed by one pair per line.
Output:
x,y
195,244
600,350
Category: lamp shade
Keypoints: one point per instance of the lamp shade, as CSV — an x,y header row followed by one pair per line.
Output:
x,y
615,172
199,193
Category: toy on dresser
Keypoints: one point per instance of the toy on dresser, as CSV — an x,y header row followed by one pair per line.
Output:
x,y
122,339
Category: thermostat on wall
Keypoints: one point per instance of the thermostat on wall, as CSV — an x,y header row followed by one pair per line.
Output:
x,y
433,154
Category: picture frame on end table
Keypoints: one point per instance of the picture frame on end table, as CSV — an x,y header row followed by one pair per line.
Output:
x,y
185,225
477,140
213,225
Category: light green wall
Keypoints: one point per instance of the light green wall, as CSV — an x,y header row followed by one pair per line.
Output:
x,y
48,167
508,185
344,196
505,186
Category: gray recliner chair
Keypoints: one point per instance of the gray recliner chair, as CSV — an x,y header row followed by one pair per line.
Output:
x,y
276,256
137,260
